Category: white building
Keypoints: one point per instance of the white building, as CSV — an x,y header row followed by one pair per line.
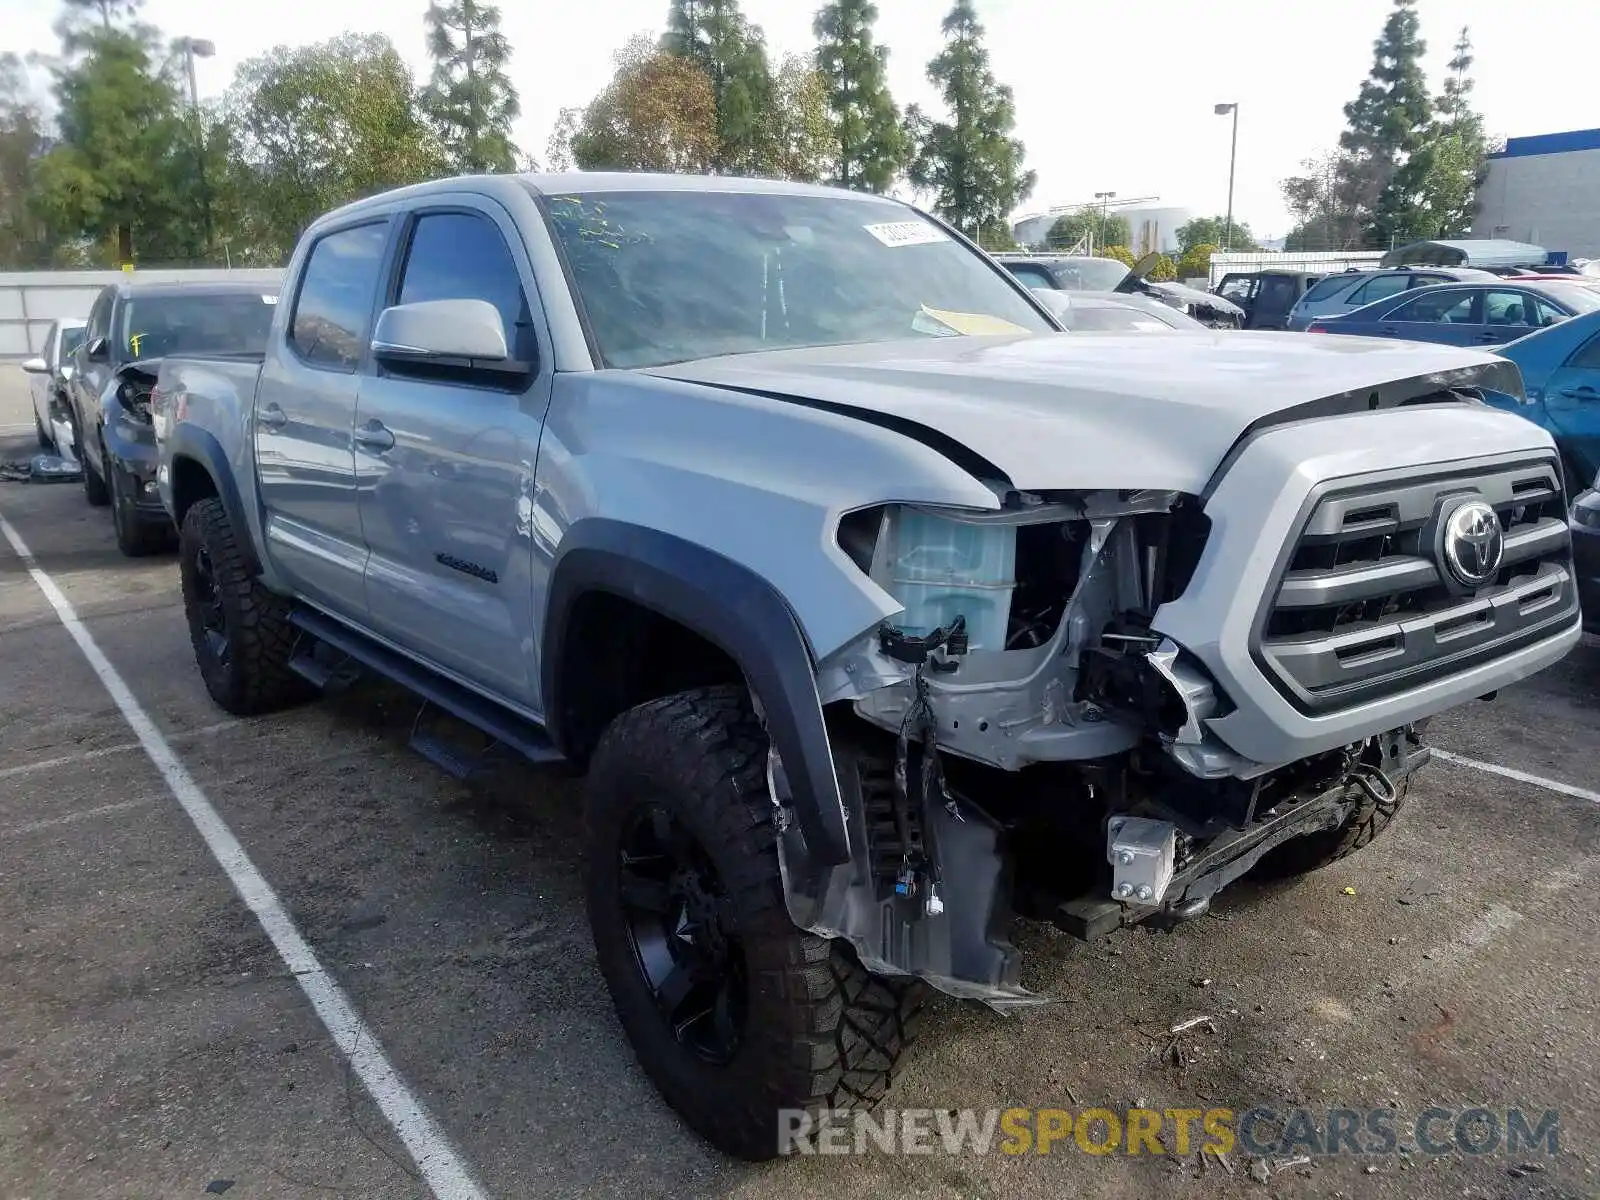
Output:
x,y
1543,190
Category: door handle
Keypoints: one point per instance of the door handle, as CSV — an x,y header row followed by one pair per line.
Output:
x,y
1491,336
374,437
1389,331
272,417
1582,392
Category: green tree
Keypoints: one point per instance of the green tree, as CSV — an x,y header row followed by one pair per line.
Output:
x,y
797,142
470,98
23,238
122,173
1196,261
1457,153
658,113
1117,251
1384,160
970,161
1210,230
1164,271
106,13
1323,219
1103,228
868,143
716,37
317,126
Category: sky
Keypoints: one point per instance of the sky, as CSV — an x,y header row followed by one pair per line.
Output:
x,y
1110,96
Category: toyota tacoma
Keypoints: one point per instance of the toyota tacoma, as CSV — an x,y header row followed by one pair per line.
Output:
x,y
879,610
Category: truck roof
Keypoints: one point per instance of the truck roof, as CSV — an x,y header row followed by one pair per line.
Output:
x,y
563,182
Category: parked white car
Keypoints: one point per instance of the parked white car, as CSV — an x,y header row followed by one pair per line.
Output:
x,y
49,374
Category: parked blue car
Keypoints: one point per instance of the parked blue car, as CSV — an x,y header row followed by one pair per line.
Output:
x,y
1465,314
1561,371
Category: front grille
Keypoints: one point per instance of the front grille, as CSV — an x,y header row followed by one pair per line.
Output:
x,y
1363,607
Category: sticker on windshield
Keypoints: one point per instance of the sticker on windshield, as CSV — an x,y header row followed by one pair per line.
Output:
x,y
906,233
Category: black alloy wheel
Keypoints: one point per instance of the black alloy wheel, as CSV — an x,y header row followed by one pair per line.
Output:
x,y
679,924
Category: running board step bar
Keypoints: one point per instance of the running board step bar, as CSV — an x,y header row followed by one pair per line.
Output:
x,y
524,736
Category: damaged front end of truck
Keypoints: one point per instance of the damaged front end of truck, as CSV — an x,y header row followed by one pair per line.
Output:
x,y
1100,708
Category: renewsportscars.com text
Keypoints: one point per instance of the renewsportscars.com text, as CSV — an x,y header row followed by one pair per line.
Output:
x,y
1100,1131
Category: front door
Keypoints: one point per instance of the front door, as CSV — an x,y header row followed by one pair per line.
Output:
x,y
305,408
445,463
91,374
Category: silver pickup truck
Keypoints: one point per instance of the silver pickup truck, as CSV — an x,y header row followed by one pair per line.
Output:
x,y
880,610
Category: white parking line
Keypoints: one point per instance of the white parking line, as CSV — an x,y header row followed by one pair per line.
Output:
x,y
1551,785
45,764
441,1167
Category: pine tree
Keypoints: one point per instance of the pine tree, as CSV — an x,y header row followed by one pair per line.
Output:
x,y
970,162
1457,151
1382,167
470,98
715,35
869,145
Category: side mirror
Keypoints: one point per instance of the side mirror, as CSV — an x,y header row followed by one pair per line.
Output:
x,y
36,366
441,331
97,350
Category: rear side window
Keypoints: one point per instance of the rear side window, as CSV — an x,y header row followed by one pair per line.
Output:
x,y
335,300
461,256
1378,289
1327,289
1277,293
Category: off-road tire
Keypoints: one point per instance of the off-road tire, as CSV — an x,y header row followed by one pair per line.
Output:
x,y
135,538
254,676
820,1032
1302,855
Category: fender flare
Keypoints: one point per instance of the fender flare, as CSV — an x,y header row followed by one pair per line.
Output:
x,y
734,609
192,442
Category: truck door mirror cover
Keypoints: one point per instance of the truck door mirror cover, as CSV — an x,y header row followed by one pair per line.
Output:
x,y
440,331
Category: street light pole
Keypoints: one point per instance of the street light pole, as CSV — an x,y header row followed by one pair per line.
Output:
x,y
199,48
1105,199
1223,110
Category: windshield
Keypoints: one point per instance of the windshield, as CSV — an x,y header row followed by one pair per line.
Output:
x,y
71,339
671,276
196,322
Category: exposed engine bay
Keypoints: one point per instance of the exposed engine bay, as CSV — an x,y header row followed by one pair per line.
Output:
x,y
1019,741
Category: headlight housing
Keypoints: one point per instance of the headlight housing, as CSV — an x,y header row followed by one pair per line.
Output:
x,y
134,401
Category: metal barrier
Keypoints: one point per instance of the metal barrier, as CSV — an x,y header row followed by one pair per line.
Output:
x,y
30,300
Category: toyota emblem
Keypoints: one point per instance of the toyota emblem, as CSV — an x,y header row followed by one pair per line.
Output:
x,y
1473,543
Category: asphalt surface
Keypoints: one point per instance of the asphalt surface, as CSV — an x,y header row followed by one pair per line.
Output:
x,y
153,1044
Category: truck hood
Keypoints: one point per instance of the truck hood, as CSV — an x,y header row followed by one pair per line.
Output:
x,y
1091,411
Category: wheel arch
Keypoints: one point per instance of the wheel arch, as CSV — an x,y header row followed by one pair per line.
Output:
x,y
197,469
612,566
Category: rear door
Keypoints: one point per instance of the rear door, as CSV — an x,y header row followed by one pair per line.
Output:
x,y
305,410
1448,315
1572,400
1274,297
1508,313
446,458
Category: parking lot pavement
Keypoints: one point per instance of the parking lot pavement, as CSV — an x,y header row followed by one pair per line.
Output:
x,y
152,1041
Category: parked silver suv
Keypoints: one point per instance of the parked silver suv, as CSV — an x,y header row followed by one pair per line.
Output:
x,y
1349,290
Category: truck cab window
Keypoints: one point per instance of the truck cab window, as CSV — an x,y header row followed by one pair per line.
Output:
x,y
335,301
461,256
